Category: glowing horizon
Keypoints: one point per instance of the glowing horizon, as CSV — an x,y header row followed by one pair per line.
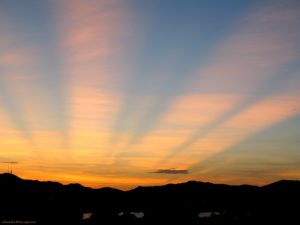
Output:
x,y
125,93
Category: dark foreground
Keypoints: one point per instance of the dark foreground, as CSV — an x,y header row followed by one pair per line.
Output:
x,y
34,202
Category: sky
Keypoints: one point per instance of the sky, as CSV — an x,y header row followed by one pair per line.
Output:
x,y
127,93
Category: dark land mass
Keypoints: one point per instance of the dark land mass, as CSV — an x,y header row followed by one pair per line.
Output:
x,y
35,202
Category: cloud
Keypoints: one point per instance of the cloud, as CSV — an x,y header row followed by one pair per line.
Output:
x,y
31,85
93,35
170,72
249,64
12,61
171,171
11,162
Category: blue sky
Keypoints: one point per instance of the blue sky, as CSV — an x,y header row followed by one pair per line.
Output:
x,y
104,92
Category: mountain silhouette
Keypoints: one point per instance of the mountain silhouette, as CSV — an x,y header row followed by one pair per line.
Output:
x,y
193,202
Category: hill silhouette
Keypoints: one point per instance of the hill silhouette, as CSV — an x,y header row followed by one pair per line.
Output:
x,y
193,202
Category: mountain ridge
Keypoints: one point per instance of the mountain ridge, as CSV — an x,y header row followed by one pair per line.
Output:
x,y
11,177
46,202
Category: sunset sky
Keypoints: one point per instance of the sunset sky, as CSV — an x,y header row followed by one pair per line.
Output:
x,y
125,93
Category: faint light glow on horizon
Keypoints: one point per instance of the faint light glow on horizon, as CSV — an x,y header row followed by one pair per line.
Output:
x,y
102,92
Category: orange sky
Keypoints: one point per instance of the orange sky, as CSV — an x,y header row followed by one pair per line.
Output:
x,y
112,93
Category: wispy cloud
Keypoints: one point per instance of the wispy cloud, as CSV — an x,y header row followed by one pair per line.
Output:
x,y
171,68
249,64
171,171
31,87
249,122
93,35
102,109
11,162
10,59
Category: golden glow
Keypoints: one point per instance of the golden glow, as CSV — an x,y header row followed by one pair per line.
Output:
x,y
57,118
